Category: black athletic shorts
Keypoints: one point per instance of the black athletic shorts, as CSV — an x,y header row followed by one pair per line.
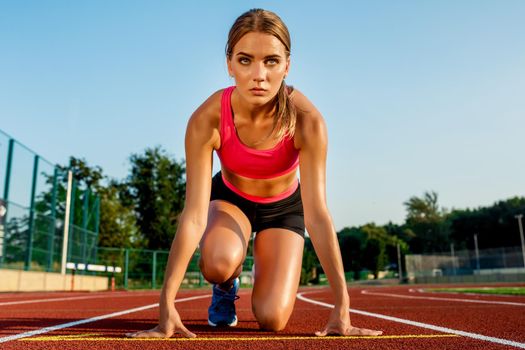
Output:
x,y
285,213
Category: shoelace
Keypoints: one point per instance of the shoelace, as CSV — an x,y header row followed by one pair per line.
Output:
x,y
220,305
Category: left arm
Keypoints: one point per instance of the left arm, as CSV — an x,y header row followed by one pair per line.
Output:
x,y
312,140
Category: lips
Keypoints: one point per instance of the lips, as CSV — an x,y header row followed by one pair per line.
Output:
x,y
258,92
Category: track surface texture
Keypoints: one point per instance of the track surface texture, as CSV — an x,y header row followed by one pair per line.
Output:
x,y
410,316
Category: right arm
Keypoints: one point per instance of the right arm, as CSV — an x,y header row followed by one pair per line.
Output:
x,y
202,136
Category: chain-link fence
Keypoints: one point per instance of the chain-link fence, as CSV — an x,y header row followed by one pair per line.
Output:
x,y
144,269
32,219
496,264
32,212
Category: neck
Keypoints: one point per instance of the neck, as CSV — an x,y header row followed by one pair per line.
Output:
x,y
254,113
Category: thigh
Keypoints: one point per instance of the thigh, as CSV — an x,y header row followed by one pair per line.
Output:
x,y
278,255
227,233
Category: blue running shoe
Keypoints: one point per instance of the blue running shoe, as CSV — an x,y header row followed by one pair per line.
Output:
x,y
222,309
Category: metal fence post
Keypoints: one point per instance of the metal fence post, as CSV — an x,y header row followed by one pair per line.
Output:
x,y
154,271
6,195
52,228
66,224
399,263
126,266
97,223
31,228
477,252
519,217
84,227
3,212
72,219
8,169
453,258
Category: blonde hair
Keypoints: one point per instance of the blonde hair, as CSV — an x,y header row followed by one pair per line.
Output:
x,y
264,21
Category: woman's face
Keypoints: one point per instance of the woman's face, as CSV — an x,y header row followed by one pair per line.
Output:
x,y
259,64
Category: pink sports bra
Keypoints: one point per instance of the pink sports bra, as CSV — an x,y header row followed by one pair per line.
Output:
x,y
248,162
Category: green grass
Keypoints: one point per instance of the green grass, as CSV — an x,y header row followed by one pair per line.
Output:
x,y
484,290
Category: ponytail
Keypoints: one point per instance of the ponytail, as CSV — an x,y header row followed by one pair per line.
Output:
x,y
285,114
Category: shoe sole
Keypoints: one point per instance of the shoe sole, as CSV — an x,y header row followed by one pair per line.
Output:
x,y
233,324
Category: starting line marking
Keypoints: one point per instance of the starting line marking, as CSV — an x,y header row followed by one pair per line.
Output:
x,y
420,324
88,320
93,337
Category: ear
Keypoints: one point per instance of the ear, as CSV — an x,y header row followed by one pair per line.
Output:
x,y
229,64
287,70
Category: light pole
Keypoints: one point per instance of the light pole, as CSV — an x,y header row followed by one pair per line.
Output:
x,y
453,258
521,236
399,264
477,252
66,223
3,212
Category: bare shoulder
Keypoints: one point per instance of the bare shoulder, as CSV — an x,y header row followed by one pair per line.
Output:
x,y
209,112
310,127
204,123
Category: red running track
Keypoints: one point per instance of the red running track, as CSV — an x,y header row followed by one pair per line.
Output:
x,y
410,317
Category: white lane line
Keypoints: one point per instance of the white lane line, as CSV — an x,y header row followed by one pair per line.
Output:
x,y
444,299
88,320
31,301
49,300
421,324
425,291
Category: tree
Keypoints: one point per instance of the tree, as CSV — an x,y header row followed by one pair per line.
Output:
x,y
426,221
370,247
156,187
399,235
423,209
352,242
310,267
375,257
118,224
85,177
496,226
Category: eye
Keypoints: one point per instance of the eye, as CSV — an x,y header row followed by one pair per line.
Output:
x,y
272,61
244,60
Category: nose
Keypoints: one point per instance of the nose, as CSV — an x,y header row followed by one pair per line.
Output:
x,y
259,72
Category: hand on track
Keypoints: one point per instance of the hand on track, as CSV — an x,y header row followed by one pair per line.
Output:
x,y
348,331
339,324
169,324
158,333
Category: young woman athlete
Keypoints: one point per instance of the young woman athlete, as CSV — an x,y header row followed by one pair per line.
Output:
x,y
262,131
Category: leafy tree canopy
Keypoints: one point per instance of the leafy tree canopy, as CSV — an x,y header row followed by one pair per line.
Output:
x,y
156,188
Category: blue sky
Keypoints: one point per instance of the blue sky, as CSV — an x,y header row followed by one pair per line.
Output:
x,y
417,95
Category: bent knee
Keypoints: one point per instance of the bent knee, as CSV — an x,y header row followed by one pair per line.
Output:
x,y
218,270
271,318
